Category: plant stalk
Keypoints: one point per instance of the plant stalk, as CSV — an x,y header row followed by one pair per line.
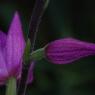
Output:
x,y
11,87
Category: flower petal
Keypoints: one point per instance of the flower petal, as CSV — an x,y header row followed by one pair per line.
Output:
x,y
15,45
68,50
30,73
3,68
2,39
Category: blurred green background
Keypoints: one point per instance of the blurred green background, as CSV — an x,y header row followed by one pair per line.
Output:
x,y
62,18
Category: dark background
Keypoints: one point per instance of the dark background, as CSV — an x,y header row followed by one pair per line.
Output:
x,y
63,18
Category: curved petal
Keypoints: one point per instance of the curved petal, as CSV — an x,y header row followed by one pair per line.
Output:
x,y
15,45
30,73
68,50
2,39
3,69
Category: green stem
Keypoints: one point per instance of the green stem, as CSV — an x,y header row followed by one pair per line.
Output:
x,y
11,87
37,54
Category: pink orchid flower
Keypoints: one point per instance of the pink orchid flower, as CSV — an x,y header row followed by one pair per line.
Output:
x,y
12,47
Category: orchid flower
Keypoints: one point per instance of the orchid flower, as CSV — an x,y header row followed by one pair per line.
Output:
x,y
67,50
12,47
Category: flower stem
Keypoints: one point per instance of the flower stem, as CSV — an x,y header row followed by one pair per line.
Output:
x,y
38,11
37,54
11,87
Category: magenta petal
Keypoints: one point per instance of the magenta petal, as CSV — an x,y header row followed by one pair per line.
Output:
x,y
15,45
68,50
3,68
2,39
30,73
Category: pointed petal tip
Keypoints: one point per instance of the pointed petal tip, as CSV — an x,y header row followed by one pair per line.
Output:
x,y
15,25
16,14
